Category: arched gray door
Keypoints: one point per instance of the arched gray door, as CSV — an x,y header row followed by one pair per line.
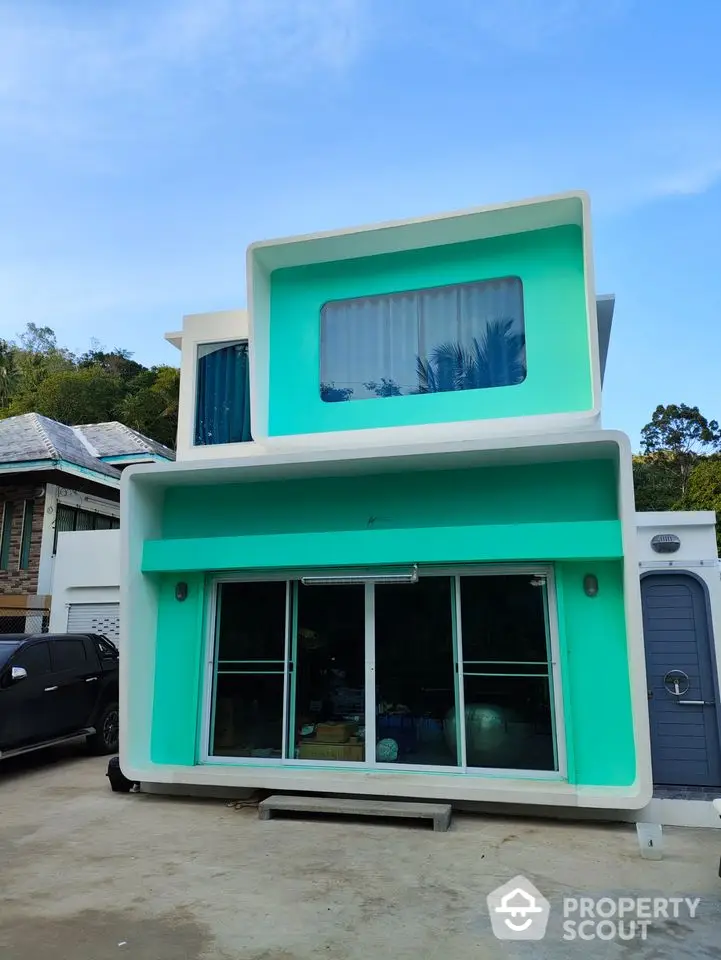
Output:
x,y
684,726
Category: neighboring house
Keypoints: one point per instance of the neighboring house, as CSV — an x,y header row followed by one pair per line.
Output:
x,y
55,478
398,553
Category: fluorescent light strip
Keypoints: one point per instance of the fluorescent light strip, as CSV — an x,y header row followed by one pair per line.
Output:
x,y
330,580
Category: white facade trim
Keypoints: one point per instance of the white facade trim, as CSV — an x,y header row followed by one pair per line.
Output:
x,y
402,235
142,492
200,328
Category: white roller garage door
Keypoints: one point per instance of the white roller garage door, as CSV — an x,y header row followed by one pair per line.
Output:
x,y
95,618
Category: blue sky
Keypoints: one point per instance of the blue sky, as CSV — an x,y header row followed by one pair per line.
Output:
x,y
145,143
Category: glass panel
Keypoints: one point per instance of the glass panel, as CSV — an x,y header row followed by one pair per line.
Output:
x,y
251,623
460,337
249,715
222,413
68,654
506,668
85,520
328,722
250,670
503,620
415,672
508,722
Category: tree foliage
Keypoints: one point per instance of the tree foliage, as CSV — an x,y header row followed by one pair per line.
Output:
x,y
38,376
680,467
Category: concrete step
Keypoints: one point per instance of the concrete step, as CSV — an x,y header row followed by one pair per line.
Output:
x,y
439,813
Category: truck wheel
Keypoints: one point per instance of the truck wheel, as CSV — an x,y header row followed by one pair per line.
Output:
x,y
106,736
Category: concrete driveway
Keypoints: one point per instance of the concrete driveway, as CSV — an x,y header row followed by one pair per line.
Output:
x,y
92,875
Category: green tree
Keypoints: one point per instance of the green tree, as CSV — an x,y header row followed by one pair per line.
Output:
x,y
77,396
655,487
674,440
152,408
37,375
118,363
704,488
8,373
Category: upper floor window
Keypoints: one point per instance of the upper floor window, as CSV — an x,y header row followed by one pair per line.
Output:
x,y
222,406
465,336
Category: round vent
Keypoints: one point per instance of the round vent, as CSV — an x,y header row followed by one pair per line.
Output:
x,y
665,543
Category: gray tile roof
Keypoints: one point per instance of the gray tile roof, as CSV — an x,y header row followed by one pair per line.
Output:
x,y
114,439
31,437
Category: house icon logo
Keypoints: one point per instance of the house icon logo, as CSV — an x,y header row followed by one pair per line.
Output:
x,y
518,911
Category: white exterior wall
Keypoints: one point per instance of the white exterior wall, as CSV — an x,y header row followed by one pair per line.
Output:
x,y
698,553
87,570
54,496
199,328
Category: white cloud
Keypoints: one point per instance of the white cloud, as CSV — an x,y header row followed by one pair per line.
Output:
x,y
62,68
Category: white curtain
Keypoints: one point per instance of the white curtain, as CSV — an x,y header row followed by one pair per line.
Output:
x,y
378,340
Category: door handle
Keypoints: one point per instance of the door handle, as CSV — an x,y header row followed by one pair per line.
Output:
x,y
698,703
90,679
49,689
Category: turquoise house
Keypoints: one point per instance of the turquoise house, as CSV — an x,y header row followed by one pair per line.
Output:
x,y
396,554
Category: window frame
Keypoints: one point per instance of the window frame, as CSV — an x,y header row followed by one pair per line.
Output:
x,y
455,571
419,293
55,646
211,346
17,656
26,535
6,533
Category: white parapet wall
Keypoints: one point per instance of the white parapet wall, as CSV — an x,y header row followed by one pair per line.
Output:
x,y
86,571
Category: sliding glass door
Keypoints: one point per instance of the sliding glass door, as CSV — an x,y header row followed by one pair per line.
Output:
x,y
250,669
507,672
452,669
327,705
415,671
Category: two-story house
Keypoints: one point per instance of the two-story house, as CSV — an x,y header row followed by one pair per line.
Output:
x,y
397,553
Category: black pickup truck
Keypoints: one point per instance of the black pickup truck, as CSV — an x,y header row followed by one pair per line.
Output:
x,y
56,687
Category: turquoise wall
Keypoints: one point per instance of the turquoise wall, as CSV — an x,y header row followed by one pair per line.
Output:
x,y
488,509
537,493
550,264
594,660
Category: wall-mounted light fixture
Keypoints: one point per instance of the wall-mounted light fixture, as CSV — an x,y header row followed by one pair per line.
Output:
x,y
665,543
329,580
590,585
181,590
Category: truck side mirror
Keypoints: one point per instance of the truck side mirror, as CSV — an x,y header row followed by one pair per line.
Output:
x,y
18,673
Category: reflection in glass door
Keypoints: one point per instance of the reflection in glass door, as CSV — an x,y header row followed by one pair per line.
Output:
x,y
447,671
327,709
507,670
415,672
250,658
